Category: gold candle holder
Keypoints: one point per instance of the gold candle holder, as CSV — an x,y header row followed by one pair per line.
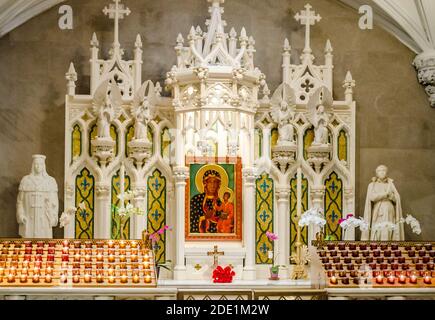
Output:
x,y
48,278
23,278
87,278
148,278
63,278
35,278
111,279
136,278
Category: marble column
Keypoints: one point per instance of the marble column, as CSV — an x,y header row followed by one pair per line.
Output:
x,y
283,219
181,174
102,210
249,177
139,222
317,198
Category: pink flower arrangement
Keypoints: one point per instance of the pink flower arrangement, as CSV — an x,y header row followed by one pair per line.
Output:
x,y
155,237
271,236
347,218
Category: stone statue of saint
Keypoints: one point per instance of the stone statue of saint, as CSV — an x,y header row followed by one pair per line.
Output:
x,y
105,116
142,116
283,112
383,209
320,123
37,203
319,104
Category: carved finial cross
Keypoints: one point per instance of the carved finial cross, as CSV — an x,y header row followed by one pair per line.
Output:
x,y
307,18
215,253
116,11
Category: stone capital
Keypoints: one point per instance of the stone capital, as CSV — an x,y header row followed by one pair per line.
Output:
x,y
249,175
102,190
425,65
318,192
283,193
181,174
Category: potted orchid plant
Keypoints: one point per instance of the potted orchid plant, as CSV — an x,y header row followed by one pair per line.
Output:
x,y
351,222
155,238
274,269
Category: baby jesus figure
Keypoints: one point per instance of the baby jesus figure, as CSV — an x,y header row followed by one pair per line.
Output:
x,y
226,220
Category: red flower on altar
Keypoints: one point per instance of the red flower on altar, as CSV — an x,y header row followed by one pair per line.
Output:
x,y
221,275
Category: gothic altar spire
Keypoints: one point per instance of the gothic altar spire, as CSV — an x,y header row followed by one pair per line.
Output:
x,y
307,18
215,47
116,11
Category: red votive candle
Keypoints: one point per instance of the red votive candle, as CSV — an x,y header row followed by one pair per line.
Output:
x,y
402,279
380,279
391,280
333,280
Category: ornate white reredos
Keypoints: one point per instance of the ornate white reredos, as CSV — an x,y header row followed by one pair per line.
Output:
x,y
214,111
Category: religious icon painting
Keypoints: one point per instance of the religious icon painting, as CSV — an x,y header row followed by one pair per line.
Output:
x,y
214,200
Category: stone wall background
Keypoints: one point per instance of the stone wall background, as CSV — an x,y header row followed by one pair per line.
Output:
x,y
394,118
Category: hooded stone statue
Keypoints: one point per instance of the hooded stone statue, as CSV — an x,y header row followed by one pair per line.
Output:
x,y
37,203
383,207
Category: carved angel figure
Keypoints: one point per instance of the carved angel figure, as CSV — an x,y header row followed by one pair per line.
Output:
x,y
142,110
106,107
318,104
283,112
